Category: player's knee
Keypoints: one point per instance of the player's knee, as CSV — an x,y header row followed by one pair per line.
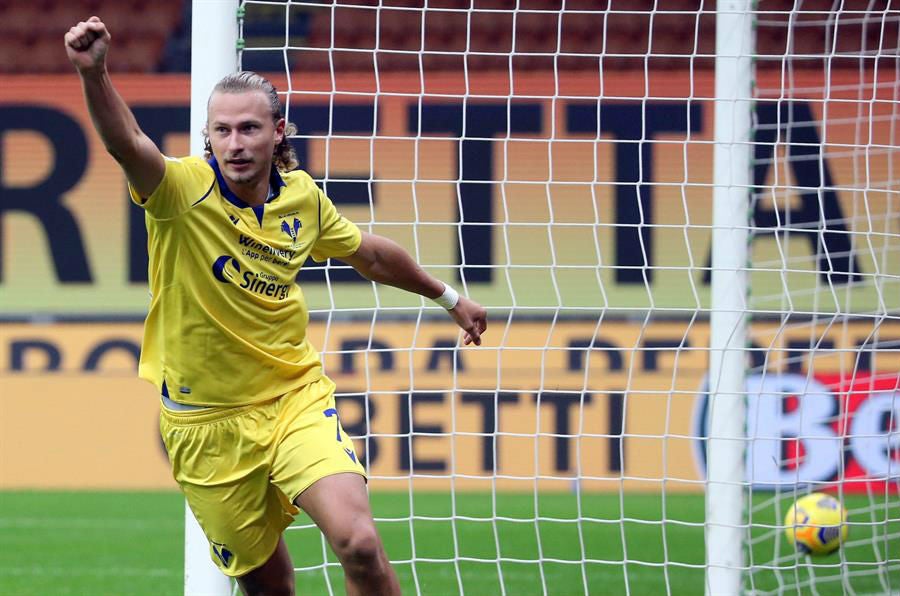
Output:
x,y
359,550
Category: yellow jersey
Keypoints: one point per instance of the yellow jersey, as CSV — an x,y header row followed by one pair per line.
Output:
x,y
227,320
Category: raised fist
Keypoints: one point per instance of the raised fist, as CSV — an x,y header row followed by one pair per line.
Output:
x,y
87,43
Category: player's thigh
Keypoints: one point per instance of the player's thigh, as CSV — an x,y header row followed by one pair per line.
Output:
x,y
339,505
276,576
224,476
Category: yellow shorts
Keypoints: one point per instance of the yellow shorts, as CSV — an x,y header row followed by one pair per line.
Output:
x,y
242,468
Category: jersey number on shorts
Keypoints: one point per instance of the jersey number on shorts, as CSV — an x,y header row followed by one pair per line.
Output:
x,y
337,419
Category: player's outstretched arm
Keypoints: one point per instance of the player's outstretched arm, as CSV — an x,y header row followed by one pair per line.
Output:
x,y
86,45
384,261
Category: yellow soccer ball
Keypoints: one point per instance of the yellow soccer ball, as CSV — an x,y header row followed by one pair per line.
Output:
x,y
816,524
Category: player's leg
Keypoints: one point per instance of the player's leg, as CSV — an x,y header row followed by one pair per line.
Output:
x,y
220,459
339,505
274,578
316,464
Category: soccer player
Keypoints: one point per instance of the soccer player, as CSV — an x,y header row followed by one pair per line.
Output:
x,y
247,417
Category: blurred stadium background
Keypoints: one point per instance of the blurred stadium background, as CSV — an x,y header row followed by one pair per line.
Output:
x,y
155,38
87,505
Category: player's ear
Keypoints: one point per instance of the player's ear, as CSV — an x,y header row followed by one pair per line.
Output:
x,y
207,146
279,130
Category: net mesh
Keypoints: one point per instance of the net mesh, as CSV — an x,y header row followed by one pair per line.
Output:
x,y
554,160
824,362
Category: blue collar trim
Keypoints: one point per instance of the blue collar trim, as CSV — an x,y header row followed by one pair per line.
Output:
x,y
276,183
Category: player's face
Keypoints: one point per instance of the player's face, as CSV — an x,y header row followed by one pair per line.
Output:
x,y
243,136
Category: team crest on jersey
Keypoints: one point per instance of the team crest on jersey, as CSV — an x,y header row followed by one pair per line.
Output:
x,y
292,230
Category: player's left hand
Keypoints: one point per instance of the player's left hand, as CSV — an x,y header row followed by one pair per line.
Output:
x,y
472,318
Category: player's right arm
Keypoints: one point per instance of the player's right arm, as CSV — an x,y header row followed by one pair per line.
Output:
x,y
144,166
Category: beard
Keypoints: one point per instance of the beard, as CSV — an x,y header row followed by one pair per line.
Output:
x,y
243,177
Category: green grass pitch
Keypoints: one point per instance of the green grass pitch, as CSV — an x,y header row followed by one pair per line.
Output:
x,y
93,543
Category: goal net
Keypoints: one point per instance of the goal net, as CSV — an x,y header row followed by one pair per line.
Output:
x,y
823,399
555,161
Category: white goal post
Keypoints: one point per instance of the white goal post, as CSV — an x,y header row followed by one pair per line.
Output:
x,y
213,55
732,168
689,248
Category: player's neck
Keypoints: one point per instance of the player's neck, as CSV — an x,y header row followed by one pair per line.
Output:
x,y
254,193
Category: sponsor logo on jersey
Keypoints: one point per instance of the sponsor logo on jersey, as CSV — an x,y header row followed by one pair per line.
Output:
x,y
265,285
227,269
251,243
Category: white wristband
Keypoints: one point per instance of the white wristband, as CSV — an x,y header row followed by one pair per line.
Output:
x,y
449,298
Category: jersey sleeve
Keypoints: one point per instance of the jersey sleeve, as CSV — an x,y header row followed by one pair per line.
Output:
x,y
338,236
185,182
